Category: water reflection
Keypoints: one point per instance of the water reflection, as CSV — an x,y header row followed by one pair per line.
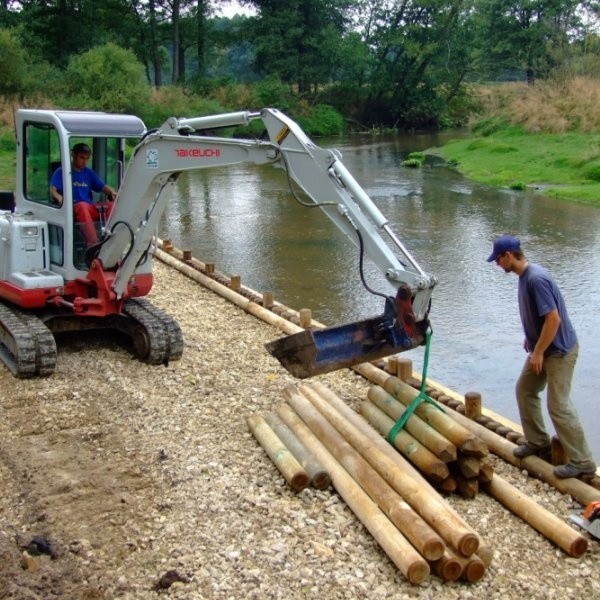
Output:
x,y
245,221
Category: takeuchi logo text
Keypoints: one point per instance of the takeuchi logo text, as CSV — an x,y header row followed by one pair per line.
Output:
x,y
197,152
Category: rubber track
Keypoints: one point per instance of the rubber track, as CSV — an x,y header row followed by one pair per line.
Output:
x,y
163,333
27,346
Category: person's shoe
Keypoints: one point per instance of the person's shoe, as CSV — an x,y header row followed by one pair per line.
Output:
x,y
527,449
570,470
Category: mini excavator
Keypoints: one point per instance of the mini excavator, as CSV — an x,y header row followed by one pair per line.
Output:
x,y
52,280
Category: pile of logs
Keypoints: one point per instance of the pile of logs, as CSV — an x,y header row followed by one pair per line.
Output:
x,y
415,526
446,453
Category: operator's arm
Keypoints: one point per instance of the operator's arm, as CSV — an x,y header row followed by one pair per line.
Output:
x,y
56,195
109,191
549,331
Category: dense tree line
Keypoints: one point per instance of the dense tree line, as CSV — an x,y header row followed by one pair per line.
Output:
x,y
394,63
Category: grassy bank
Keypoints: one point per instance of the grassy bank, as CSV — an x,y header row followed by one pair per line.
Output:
x,y
544,136
562,165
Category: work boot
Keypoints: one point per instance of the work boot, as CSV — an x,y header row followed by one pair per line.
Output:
x,y
528,449
570,470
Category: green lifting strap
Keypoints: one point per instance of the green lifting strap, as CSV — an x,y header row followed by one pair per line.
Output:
x,y
422,397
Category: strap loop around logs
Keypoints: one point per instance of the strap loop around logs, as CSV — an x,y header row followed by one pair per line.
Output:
x,y
422,397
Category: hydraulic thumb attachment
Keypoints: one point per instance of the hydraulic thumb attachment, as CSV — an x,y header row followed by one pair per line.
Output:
x,y
317,351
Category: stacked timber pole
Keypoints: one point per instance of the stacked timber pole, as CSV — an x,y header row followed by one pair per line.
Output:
x,y
368,472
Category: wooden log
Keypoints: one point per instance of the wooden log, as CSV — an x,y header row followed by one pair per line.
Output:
x,y
462,438
319,478
550,526
399,473
392,365
282,458
235,283
427,462
448,567
473,568
404,368
420,430
420,534
472,405
394,544
267,299
533,464
305,316
557,452
485,553
486,472
467,488
469,466
447,486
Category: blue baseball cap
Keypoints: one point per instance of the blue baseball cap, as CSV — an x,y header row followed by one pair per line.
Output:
x,y
505,243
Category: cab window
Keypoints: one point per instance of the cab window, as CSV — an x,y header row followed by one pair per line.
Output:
x,y
42,158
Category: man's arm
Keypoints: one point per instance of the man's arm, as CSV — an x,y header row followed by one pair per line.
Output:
x,y
109,191
56,195
548,333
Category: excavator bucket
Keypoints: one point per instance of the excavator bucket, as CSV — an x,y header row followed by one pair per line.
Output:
x,y
317,351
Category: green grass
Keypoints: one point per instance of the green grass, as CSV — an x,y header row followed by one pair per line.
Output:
x,y
563,165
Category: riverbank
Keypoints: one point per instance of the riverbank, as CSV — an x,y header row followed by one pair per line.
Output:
x,y
133,470
560,165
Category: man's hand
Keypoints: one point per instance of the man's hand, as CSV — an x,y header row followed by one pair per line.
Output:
x,y
536,360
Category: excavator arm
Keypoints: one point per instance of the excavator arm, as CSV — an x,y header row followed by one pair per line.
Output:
x,y
181,145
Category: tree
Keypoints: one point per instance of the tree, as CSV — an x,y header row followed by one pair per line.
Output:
x,y
13,64
296,40
420,56
529,37
108,78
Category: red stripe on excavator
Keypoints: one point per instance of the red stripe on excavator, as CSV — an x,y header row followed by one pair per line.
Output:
x,y
39,297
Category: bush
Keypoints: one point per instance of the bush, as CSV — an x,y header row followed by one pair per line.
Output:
x,y
107,78
322,120
174,101
592,172
271,92
412,163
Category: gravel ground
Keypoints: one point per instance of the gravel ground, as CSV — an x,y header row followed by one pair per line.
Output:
x,y
132,471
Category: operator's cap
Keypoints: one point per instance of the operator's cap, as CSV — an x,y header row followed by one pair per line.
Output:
x,y
505,243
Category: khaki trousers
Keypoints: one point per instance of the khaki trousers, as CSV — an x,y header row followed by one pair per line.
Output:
x,y
557,374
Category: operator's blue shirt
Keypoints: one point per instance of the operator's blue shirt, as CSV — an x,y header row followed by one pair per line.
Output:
x,y
539,295
84,182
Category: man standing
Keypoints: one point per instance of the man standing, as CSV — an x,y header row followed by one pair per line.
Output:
x,y
84,181
551,344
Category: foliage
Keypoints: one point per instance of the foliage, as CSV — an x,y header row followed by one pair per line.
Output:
x,y
107,78
297,40
526,36
12,64
173,101
413,163
322,120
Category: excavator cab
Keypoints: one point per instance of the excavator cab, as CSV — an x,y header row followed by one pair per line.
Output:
x,y
48,138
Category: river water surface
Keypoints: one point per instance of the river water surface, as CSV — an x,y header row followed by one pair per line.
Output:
x,y
244,219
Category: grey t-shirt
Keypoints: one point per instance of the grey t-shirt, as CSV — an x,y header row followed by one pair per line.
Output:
x,y
539,295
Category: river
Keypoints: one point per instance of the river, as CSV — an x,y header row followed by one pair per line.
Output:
x,y
244,219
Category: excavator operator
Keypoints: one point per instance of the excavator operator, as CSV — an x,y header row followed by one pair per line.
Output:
x,y
85,181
